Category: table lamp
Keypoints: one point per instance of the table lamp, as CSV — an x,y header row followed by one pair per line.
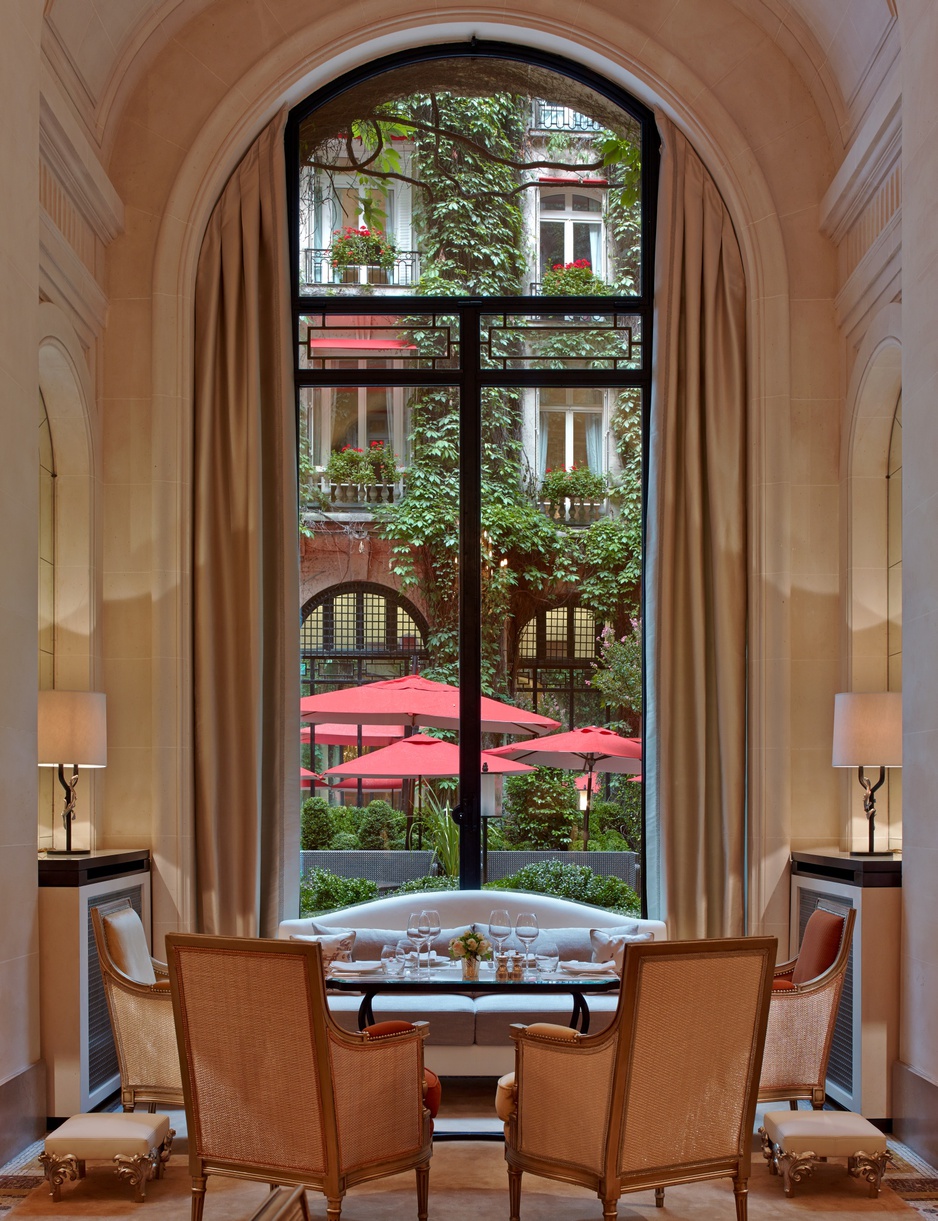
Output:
x,y
868,731
72,727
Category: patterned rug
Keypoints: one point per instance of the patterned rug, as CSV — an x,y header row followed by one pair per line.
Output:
x,y
913,1180
19,1177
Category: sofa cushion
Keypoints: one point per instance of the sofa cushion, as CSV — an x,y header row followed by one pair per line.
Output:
x,y
369,942
609,944
495,1013
334,945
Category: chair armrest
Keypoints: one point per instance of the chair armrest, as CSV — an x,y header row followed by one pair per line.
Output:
x,y
160,969
126,984
784,968
545,1030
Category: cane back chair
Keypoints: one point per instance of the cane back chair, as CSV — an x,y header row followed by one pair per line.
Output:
x,y
275,1090
665,1094
140,1006
805,997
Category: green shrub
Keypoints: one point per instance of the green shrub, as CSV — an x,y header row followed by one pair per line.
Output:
x,y
316,824
431,882
541,808
381,827
577,882
344,841
323,891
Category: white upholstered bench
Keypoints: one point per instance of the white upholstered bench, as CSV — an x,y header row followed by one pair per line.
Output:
x,y
138,1143
792,1141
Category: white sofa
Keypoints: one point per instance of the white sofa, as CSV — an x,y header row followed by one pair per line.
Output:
x,y
469,1034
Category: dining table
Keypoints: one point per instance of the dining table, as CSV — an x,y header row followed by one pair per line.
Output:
x,y
448,979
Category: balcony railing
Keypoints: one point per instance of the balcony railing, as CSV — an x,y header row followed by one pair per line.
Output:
x,y
575,511
551,117
318,270
328,497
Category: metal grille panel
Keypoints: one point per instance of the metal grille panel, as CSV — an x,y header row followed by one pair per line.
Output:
x,y
840,1065
102,1056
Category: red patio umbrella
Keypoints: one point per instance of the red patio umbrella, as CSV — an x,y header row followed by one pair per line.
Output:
x,y
420,755
589,750
347,735
414,700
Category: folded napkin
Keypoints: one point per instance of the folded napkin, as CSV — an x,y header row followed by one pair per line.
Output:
x,y
355,968
573,967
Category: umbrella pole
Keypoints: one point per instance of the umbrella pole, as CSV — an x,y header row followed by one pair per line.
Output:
x,y
589,799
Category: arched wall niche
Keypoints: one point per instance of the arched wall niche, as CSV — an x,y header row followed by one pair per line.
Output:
x,y
67,391
873,394
282,78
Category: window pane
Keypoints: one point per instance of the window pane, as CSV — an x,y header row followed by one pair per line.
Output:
x,y
585,632
555,633
580,455
343,428
554,423
551,243
344,631
373,627
377,416
586,203
553,203
587,244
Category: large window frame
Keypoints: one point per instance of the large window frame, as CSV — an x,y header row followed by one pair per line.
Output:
x,y
472,377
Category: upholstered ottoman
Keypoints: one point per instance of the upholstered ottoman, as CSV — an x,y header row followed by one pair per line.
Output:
x,y
138,1143
792,1141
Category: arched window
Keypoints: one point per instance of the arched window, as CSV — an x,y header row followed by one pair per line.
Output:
x,y
556,652
358,633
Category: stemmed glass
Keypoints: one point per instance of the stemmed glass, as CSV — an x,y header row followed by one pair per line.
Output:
x,y
526,931
435,930
418,930
499,928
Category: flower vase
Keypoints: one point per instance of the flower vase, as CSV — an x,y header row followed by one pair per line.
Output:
x,y
470,969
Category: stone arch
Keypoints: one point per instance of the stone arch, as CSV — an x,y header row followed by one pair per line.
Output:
x,y
872,396
294,69
67,391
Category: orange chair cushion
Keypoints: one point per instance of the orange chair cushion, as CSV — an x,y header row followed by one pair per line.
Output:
x,y
782,985
433,1093
819,946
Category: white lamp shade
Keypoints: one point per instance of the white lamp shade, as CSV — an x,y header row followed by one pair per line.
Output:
x,y
868,729
72,728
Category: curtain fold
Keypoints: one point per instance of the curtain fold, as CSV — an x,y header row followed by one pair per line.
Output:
x,y
245,582
594,443
696,559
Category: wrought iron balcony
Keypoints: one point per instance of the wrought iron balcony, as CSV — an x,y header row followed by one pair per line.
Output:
x,y
548,116
318,271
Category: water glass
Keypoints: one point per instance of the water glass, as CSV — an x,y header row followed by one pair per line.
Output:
x,y
526,930
499,928
547,958
435,929
391,960
407,952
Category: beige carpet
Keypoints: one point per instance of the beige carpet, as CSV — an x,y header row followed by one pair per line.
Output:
x,y
468,1183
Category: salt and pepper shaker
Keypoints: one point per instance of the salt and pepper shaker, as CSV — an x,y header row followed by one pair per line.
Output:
x,y
517,968
501,968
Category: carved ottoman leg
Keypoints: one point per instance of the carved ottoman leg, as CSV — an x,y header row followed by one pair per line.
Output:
x,y
135,1170
165,1150
58,1170
768,1150
795,1168
870,1167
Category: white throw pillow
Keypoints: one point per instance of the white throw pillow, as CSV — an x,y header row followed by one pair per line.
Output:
x,y
610,943
334,945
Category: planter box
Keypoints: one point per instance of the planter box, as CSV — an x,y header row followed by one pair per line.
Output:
x,y
387,869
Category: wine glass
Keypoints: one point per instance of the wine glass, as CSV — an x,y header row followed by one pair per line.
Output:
x,y
435,929
499,928
418,930
526,930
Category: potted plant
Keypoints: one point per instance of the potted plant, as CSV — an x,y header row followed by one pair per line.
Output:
x,y
577,483
575,279
348,465
362,247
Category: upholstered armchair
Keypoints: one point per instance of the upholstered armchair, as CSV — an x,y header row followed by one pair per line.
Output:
x,y
140,1006
665,1094
805,996
275,1090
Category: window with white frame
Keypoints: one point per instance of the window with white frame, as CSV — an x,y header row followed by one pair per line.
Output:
x,y
571,429
571,227
356,416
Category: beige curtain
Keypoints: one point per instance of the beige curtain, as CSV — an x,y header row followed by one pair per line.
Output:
x,y
245,595
696,559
